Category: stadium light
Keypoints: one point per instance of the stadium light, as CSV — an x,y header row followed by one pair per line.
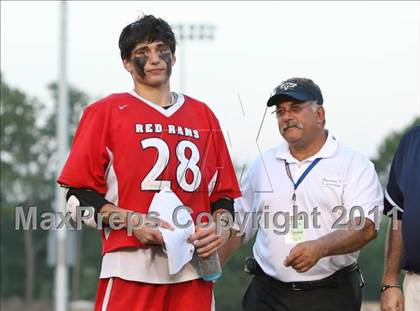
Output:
x,y
185,33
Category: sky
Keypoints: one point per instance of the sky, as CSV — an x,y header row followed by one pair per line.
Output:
x,y
363,55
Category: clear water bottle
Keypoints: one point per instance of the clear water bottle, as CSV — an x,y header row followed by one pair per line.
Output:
x,y
209,268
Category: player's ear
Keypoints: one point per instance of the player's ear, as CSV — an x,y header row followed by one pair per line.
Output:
x,y
127,65
173,59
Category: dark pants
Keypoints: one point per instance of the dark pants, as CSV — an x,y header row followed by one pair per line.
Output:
x,y
265,294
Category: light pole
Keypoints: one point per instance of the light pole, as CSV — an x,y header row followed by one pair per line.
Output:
x,y
61,288
185,33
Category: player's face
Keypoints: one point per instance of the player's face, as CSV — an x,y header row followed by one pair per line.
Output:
x,y
151,63
297,122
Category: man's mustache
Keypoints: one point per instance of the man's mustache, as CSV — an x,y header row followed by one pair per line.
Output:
x,y
289,124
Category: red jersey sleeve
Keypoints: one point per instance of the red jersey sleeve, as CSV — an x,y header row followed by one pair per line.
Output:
x,y
225,183
88,159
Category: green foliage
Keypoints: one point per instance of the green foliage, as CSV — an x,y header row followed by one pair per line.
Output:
x,y
20,165
28,171
91,258
12,261
231,287
387,149
22,183
371,262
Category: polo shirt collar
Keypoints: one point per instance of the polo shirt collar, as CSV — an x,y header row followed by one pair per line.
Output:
x,y
328,150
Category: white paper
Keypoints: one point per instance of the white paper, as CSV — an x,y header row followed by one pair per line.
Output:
x,y
179,251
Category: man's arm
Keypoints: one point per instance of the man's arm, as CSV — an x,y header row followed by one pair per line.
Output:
x,y
230,247
347,241
392,298
361,188
305,255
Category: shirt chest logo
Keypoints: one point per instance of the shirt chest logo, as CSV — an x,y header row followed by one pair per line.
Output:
x,y
331,181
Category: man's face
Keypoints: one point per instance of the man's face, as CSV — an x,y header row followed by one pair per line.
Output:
x,y
297,121
150,63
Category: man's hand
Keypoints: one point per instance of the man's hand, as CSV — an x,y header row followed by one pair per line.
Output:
x,y
148,233
304,255
392,300
206,241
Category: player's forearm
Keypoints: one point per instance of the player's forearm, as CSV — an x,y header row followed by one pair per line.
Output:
x,y
102,207
119,215
230,247
393,253
347,241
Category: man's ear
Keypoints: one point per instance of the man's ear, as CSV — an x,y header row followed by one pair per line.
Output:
x,y
321,114
127,65
173,59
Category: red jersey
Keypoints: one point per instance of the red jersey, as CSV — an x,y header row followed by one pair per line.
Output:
x,y
128,149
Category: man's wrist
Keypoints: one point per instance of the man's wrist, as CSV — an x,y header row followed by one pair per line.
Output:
x,y
322,248
384,287
391,278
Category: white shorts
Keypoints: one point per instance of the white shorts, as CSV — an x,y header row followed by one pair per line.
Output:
x,y
411,291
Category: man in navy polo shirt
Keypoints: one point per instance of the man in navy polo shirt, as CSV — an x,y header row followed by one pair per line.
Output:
x,y
402,200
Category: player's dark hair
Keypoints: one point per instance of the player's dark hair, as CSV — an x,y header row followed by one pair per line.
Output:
x,y
146,29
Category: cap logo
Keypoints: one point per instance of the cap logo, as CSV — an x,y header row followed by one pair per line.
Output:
x,y
287,85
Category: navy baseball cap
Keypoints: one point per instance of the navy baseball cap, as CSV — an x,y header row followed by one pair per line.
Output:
x,y
295,89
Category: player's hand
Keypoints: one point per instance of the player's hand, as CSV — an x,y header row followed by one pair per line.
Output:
x,y
304,255
207,241
148,233
392,300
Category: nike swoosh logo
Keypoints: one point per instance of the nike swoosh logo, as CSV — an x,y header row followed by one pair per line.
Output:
x,y
122,107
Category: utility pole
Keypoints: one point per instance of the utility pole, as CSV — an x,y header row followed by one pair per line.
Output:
x,y
61,271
